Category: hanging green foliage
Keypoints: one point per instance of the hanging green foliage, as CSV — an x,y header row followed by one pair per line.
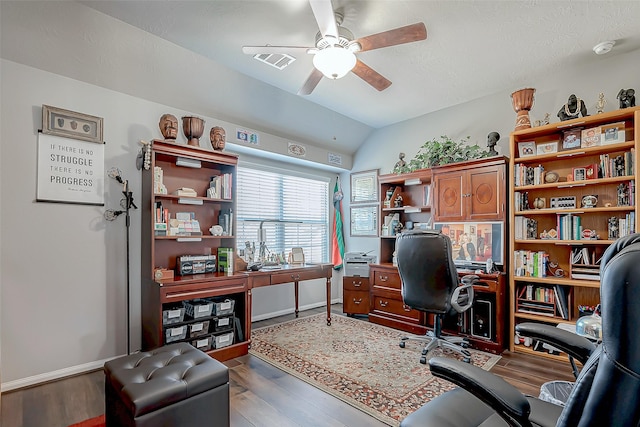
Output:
x,y
443,151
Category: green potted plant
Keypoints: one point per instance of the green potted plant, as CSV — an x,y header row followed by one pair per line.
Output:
x,y
443,151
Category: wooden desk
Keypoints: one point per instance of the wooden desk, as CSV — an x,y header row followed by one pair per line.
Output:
x,y
289,274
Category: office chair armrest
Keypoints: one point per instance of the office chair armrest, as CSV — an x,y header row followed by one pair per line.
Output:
x,y
463,302
495,392
574,345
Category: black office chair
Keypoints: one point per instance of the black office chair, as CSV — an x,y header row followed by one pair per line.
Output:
x,y
606,393
430,284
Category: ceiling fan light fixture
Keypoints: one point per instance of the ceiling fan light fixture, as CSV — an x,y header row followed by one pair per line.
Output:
x,y
334,62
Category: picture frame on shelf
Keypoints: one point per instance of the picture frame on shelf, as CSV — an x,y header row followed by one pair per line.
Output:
x,y
547,147
590,137
364,186
591,171
526,148
71,124
364,221
579,174
612,133
571,139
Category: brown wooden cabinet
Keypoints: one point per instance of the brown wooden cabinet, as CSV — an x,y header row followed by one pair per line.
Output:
x,y
355,291
556,238
470,191
175,168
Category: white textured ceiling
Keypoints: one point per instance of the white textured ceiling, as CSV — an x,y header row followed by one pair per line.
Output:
x,y
473,48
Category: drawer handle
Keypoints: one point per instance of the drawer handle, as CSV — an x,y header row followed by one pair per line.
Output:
x,y
384,278
356,284
406,307
357,302
384,303
295,277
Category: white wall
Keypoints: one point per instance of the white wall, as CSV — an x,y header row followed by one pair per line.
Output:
x,y
63,266
494,113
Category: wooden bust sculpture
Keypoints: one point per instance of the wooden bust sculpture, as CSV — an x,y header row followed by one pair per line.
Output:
x,y
217,136
169,127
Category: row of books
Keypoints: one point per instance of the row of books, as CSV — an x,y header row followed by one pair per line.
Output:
x,y
625,226
569,227
620,165
530,263
547,301
528,175
220,186
525,228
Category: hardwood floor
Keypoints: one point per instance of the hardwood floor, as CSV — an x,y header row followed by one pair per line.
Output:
x,y
261,395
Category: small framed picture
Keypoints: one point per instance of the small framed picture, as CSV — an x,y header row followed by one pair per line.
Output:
x,y
591,171
590,137
527,148
71,124
364,221
571,139
547,147
579,174
612,133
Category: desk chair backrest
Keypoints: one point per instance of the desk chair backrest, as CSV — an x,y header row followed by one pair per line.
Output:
x,y
428,273
607,391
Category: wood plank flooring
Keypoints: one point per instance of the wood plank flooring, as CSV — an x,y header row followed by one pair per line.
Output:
x,y
261,395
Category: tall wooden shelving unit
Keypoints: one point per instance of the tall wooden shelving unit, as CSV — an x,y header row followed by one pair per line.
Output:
x,y
547,214
158,251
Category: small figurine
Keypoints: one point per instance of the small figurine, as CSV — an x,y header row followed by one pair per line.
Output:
x,y
627,98
400,164
397,203
169,127
492,140
217,135
613,228
572,109
546,119
600,103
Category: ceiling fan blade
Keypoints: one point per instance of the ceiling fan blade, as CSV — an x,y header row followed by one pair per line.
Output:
x,y
371,76
311,83
408,34
326,19
291,50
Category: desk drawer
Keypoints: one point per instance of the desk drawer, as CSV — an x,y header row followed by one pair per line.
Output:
x,y
386,279
292,276
356,302
355,283
395,308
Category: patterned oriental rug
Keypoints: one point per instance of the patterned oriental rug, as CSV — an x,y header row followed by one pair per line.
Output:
x,y
358,362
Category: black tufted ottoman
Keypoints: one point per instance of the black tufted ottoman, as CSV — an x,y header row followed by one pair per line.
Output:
x,y
176,385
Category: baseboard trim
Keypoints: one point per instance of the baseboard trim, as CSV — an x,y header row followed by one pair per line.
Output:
x,y
54,375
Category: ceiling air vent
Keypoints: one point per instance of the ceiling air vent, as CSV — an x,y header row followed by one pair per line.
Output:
x,y
278,60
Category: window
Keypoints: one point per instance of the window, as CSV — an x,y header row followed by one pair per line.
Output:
x,y
293,212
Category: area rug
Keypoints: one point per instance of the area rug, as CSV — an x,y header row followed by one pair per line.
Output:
x,y
358,362
91,422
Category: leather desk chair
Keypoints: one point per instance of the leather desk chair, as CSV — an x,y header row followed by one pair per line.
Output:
x,y
430,284
606,392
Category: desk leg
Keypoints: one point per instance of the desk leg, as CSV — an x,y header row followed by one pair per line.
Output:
x,y
297,295
328,301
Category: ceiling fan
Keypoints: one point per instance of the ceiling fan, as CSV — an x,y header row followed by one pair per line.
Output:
x,y
335,49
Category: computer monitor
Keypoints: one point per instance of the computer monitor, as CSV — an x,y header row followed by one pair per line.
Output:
x,y
473,243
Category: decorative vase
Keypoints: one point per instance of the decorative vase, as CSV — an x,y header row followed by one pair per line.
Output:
x,y
193,127
522,102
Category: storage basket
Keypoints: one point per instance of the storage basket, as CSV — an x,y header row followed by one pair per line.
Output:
x,y
199,328
172,314
223,340
203,343
222,324
198,308
175,334
223,307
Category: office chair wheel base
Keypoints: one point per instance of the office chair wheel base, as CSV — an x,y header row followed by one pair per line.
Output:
x,y
423,360
424,351
402,344
464,344
467,360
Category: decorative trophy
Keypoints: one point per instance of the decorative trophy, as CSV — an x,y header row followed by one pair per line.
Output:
x,y
522,102
193,127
